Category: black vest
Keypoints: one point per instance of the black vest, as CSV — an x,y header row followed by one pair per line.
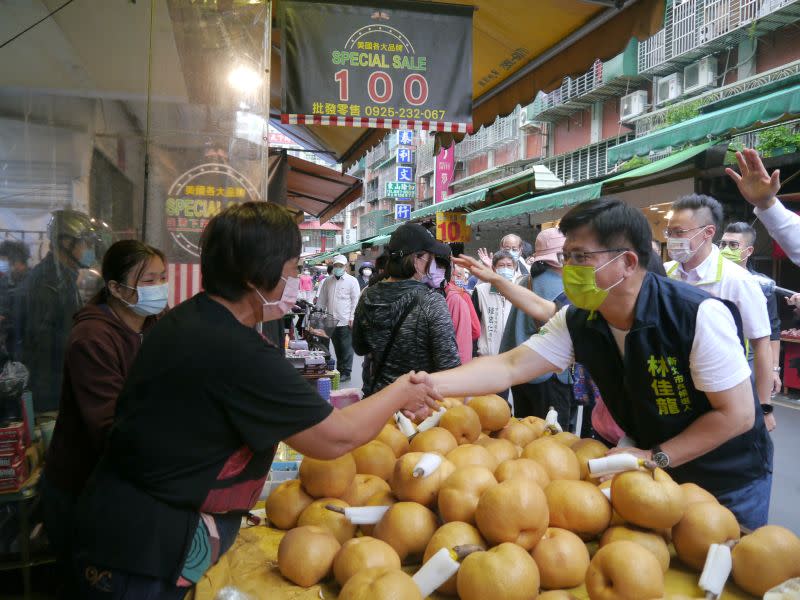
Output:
x,y
650,392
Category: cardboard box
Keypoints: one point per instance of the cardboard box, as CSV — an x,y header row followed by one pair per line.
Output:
x,y
12,477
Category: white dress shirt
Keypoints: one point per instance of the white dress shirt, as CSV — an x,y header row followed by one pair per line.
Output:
x,y
727,280
339,296
783,225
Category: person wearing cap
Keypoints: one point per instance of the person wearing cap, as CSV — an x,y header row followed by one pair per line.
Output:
x,y
339,294
50,298
364,273
535,397
402,323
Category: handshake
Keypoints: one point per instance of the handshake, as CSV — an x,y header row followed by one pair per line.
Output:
x,y
419,394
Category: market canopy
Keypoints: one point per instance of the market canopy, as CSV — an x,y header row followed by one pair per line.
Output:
x,y
777,106
576,195
537,177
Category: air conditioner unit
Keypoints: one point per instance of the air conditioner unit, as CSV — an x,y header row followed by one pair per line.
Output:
x,y
701,75
667,88
632,105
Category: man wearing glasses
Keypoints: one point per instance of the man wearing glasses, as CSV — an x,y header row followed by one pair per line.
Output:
x,y
665,356
698,262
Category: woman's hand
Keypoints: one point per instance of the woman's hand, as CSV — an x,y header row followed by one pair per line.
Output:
x,y
755,184
477,268
420,396
485,256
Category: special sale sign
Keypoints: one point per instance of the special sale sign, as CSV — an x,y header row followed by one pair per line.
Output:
x,y
398,65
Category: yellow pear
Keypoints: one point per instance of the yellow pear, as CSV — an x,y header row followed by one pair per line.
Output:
x,y
305,555
522,468
578,506
513,511
327,478
472,455
459,495
517,433
418,489
624,571
380,583
435,439
363,553
505,572
536,424
648,499
407,527
392,437
694,493
562,559
463,423
556,595
502,450
363,488
648,539
615,518
557,459
567,438
374,458
449,536
703,524
766,558
285,504
317,514
493,412
384,498
586,450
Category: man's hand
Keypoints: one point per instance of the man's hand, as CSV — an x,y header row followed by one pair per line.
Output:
x,y
776,383
420,395
350,323
480,270
794,300
770,422
637,452
756,185
485,256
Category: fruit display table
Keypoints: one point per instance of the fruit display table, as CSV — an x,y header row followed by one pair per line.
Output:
x,y
251,566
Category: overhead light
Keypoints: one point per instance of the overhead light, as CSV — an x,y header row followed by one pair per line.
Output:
x,y
653,208
669,215
244,79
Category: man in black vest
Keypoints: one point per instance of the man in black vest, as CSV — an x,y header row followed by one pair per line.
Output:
x,y
665,356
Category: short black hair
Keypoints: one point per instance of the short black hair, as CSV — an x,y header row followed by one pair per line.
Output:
x,y
615,224
699,201
245,244
743,228
16,252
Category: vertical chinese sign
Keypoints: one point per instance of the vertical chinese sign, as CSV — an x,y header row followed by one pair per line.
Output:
x,y
443,173
405,173
389,65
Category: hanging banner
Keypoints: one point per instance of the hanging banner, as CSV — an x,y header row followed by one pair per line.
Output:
x,y
444,173
452,227
393,65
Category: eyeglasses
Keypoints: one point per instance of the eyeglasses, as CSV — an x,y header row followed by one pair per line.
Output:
x,y
580,257
675,232
726,244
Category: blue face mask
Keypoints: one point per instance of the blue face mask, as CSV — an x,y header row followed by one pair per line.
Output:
x,y
338,271
506,273
88,258
514,254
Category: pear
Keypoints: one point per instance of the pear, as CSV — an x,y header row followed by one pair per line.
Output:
x,y
305,555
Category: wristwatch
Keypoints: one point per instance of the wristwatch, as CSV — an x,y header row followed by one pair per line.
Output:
x,y
767,409
776,369
660,457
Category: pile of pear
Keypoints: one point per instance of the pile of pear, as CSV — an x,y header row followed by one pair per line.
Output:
x,y
523,495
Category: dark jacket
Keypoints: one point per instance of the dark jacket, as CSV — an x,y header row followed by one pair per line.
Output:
x,y
49,300
425,341
99,353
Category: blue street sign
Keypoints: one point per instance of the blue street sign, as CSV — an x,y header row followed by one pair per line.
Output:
x,y
405,174
405,137
402,211
404,156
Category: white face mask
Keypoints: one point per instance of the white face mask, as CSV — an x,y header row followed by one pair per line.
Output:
x,y
152,299
680,249
367,272
273,310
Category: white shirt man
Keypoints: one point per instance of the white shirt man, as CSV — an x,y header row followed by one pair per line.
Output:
x,y
339,295
697,261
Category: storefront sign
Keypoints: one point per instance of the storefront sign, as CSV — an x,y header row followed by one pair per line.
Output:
x,y
196,196
405,174
405,156
402,212
405,137
400,189
452,227
444,172
377,66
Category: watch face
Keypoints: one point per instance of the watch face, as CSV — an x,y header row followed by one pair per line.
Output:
x,y
661,459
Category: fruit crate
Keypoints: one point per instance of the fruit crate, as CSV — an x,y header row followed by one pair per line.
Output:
x,y
281,471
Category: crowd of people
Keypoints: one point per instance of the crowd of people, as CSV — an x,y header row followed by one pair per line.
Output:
x,y
675,362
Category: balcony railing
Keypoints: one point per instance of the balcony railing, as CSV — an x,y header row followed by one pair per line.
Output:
x,y
584,163
372,194
378,153
693,28
425,158
502,131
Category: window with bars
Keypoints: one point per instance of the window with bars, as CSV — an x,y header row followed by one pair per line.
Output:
x,y
585,163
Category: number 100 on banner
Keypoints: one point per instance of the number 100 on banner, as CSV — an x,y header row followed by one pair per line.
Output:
x,y
452,227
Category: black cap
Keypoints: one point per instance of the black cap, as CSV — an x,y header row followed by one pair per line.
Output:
x,y
413,237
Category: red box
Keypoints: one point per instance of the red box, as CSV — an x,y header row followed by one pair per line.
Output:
x,y
12,433
791,376
12,478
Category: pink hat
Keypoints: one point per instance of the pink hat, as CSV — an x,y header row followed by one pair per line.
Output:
x,y
548,244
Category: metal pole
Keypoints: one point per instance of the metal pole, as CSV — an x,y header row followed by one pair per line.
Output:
x,y
266,99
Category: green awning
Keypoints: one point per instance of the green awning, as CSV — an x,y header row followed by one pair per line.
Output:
x,y
576,195
389,229
319,258
457,201
352,247
380,240
714,125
